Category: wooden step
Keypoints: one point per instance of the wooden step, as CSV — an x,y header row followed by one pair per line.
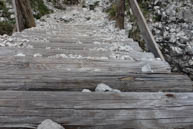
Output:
x,y
109,110
48,80
69,40
84,54
74,43
24,73
81,46
71,37
39,63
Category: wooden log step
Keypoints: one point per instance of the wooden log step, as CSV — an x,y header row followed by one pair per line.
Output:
x,y
107,39
48,80
47,53
78,37
76,53
33,40
82,46
108,110
83,35
70,26
20,38
37,64
68,32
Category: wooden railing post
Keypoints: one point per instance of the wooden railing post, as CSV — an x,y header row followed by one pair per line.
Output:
x,y
120,13
23,14
145,31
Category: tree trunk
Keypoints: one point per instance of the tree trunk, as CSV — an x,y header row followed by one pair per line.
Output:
x,y
24,16
120,13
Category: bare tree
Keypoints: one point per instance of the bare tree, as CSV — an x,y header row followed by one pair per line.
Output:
x,y
24,16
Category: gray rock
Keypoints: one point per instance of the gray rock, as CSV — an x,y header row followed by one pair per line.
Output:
x,y
49,124
86,91
174,32
103,88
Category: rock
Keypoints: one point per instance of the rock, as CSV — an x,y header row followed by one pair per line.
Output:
x,y
49,124
66,19
174,32
103,88
86,91
146,68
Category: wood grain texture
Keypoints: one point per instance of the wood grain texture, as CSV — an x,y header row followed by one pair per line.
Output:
x,y
18,73
73,109
9,63
73,81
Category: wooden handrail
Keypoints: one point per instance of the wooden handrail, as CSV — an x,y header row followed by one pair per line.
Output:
x,y
23,14
145,31
16,15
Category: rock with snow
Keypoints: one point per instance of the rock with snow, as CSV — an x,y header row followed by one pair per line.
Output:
x,y
49,124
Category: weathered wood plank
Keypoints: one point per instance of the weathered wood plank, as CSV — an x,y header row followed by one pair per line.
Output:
x,y
72,109
82,53
18,73
147,35
70,36
82,46
27,63
77,81
71,39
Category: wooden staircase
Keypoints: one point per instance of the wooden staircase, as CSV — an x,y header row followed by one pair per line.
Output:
x,y
42,77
